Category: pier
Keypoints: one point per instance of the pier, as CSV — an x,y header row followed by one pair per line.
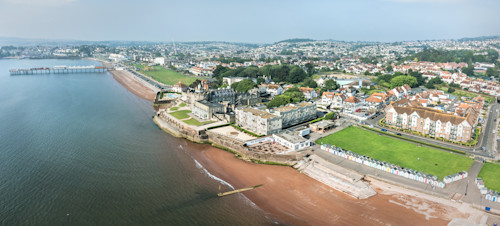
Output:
x,y
58,70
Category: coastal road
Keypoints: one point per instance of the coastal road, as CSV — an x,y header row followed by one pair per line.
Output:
x,y
490,131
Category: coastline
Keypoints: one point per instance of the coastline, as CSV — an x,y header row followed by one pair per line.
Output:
x,y
294,198
134,85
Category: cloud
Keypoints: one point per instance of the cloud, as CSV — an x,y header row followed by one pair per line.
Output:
x,y
38,2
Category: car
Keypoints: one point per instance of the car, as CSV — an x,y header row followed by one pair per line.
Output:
x,y
483,148
384,130
399,134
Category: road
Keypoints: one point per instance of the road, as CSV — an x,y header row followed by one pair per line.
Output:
x,y
490,131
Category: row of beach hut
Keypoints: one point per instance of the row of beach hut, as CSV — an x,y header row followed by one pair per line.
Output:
x,y
392,168
489,194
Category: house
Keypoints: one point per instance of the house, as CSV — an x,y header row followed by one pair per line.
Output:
x,y
334,100
293,114
271,89
309,93
179,87
375,101
292,141
352,103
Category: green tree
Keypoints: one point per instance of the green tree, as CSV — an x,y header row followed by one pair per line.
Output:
x,y
330,115
243,86
402,80
331,85
432,82
309,69
491,72
296,75
451,90
309,82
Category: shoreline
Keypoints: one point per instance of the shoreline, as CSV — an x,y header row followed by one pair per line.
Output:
x,y
134,85
294,198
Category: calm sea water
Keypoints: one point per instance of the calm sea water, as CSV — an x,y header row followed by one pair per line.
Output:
x,y
79,149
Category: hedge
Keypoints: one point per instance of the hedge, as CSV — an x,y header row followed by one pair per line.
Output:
x,y
245,131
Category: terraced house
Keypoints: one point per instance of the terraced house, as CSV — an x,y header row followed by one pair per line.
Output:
x,y
434,122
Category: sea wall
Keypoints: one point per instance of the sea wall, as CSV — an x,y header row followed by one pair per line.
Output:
x,y
179,129
237,146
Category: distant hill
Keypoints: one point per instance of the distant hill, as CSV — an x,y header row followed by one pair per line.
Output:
x,y
482,38
295,40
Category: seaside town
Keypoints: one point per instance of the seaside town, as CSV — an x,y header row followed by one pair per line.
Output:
x,y
419,115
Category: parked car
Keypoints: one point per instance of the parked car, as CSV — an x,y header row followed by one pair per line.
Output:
x,y
399,134
384,130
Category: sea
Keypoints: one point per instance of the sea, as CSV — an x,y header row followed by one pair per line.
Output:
x,y
80,149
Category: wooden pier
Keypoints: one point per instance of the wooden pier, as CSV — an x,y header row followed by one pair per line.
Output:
x,y
58,70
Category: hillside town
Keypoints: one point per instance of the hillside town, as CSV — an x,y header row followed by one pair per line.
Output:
x,y
289,103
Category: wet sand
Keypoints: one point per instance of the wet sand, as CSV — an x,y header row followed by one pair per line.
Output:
x,y
297,199
135,86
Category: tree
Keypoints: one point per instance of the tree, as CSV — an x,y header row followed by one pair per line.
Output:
x,y
309,82
194,84
389,68
330,115
451,90
260,80
331,85
243,86
309,69
296,75
491,72
402,80
432,82
418,76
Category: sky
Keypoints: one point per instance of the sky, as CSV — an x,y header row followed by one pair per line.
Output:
x,y
256,21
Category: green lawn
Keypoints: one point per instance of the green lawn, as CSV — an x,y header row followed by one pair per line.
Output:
x,y
182,104
195,122
166,76
183,114
392,150
490,173
174,108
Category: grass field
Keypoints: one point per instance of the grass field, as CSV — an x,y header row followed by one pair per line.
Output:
x,y
195,122
183,114
490,173
182,104
174,108
463,93
166,76
392,150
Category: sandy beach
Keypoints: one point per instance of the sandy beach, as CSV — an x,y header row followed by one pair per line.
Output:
x,y
297,199
133,84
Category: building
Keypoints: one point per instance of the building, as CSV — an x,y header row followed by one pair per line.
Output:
x,y
352,103
335,100
159,61
292,141
258,121
271,89
293,114
433,122
309,93
230,80
322,126
206,110
375,101
179,87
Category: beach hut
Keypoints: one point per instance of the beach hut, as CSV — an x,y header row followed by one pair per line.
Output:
x,y
488,196
441,184
483,191
447,179
494,198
